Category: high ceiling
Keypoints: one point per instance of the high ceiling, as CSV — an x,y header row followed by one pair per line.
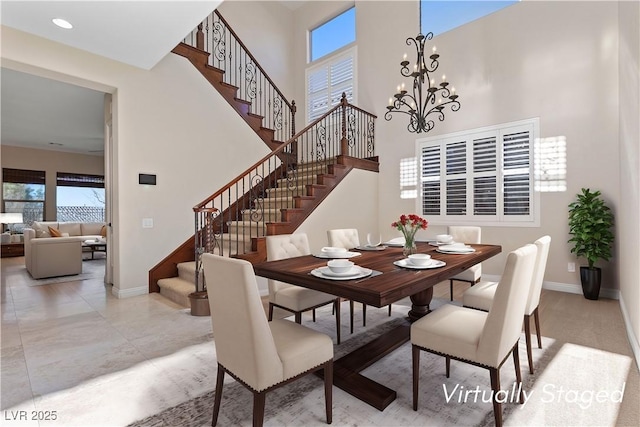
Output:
x,y
37,111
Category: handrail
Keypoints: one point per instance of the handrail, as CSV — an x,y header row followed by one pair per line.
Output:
x,y
242,70
280,149
229,221
253,58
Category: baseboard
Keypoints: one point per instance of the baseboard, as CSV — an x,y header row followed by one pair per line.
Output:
x,y
577,289
633,340
127,293
562,287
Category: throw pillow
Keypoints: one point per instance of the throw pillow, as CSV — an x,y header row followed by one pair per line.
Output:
x,y
103,231
54,232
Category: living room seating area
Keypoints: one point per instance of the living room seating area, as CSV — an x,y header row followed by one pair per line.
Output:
x,y
55,248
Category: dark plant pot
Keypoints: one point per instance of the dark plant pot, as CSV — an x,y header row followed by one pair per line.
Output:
x,y
590,279
199,303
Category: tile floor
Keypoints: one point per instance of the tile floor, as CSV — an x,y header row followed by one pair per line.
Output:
x,y
71,345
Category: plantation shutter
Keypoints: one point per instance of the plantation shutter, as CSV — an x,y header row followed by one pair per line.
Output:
x,y
516,151
485,162
327,81
430,180
479,176
456,179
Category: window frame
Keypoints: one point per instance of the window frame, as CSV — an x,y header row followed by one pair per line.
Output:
x,y
26,177
328,61
310,58
499,219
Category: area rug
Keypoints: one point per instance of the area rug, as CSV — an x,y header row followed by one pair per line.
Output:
x,y
91,269
573,385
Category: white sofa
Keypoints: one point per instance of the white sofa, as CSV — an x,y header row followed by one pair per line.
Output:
x,y
47,256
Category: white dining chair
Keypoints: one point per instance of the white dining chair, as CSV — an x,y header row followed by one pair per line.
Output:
x,y
348,238
258,354
466,234
296,299
476,337
482,294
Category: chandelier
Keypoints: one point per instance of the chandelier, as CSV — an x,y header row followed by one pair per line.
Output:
x,y
426,99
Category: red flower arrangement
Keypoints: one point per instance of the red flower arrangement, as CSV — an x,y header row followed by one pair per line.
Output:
x,y
409,226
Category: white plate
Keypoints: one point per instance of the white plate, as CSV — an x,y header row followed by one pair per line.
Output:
x,y
342,255
435,263
440,244
465,250
325,273
371,248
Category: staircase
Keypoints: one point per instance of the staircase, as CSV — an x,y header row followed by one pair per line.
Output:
x,y
241,232
277,193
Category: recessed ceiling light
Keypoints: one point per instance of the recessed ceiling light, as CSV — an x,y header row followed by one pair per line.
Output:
x,y
62,23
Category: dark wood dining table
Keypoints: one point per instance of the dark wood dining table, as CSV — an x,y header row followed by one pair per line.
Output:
x,y
388,284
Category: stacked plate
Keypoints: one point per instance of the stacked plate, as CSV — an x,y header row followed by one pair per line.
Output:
x,y
356,272
433,263
455,248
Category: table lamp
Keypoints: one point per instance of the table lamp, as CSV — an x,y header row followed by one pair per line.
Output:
x,y
10,218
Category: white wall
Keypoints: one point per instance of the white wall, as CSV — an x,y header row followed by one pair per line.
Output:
x,y
168,121
533,59
266,28
629,213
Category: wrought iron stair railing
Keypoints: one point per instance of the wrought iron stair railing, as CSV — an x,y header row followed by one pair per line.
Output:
x,y
276,187
241,69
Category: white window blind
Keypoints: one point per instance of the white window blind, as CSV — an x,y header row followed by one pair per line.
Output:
x,y
480,176
327,81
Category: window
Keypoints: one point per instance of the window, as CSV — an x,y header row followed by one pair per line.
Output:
x,y
332,35
327,81
80,197
482,176
441,16
23,191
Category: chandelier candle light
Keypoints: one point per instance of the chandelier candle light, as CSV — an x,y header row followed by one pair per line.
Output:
x,y
426,100
409,226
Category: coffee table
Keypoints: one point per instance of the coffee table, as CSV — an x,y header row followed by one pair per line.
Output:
x,y
94,246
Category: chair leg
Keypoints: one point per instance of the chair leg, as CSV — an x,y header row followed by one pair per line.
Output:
x,y
494,373
447,366
258,408
516,363
537,320
337,306
298,318
328,390
451,289
270,312
389,310
527,335
351,314
415,358
313,315
218,396
364,315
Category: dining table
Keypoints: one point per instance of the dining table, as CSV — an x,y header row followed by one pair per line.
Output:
x,y
387,283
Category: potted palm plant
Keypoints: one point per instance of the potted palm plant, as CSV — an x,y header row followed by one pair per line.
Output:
x,y
590,227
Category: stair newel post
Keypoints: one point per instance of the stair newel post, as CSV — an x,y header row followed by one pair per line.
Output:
x,y
344,147
200,38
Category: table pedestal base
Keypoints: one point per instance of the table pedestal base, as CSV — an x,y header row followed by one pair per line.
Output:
x,y
346,370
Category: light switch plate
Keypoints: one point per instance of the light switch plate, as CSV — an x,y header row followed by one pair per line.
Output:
x,y
147,222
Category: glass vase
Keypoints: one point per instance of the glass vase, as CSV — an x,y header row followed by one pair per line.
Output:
x,y
409,246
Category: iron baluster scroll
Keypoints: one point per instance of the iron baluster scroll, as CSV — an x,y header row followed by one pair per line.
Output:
x,y
426,99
